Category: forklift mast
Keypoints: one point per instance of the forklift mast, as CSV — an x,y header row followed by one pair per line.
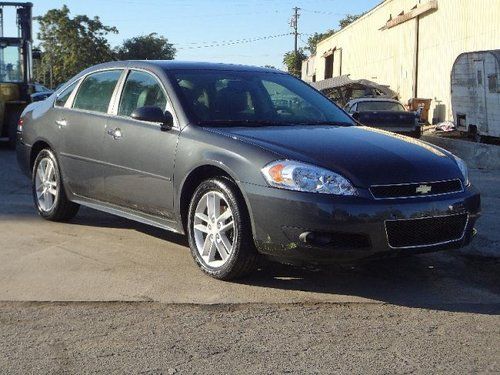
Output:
x,y
23,42
16,66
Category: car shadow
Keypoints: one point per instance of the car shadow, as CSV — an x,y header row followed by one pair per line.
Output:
x,y
439,281
90,217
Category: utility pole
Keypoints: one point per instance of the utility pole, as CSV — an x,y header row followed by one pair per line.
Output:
x,y
294,23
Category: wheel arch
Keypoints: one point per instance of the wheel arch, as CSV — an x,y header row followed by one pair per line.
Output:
x,y
36,147
209,169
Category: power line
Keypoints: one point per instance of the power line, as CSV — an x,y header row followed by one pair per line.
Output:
x,y
324,12
231,42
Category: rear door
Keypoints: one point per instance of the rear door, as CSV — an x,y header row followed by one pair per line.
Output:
x,y
139,157
83,127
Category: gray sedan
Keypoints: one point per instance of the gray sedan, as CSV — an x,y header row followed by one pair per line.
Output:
x,y
246,161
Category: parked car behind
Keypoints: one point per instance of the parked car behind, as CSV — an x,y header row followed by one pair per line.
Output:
x,y
40,92
245,161
387,114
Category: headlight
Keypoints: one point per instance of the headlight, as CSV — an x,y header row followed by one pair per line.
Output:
x,y
463,168
293,175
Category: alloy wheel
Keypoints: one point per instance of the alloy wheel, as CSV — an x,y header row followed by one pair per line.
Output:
x,y
214,229
46,184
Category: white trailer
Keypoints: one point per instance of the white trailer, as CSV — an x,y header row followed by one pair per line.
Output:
x,y
475,93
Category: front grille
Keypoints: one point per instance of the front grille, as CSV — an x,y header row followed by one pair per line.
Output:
x,y
416,189
426,231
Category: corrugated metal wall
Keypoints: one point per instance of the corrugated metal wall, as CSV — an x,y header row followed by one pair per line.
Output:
x,y
387,56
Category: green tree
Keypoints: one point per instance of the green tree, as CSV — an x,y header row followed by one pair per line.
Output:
x,y
348,19
146,47
70,45
293,61
314,39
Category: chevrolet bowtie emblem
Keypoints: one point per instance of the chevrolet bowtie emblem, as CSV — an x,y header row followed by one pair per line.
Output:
x,y
423,189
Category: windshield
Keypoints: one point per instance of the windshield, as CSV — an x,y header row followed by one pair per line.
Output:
x,y
380,106
10,64
215,97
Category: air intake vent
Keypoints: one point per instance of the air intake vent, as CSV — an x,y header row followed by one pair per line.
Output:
x,y
426,231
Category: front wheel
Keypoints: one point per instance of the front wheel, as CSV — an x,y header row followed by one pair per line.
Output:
x,y
48,191
219,232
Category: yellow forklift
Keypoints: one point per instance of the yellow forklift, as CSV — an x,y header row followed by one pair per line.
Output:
x,y
16,86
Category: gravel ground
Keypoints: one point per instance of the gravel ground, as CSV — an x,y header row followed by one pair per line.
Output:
x,y
153,338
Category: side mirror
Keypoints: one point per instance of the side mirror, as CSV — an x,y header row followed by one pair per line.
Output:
x,y
355,116
154,114
168,123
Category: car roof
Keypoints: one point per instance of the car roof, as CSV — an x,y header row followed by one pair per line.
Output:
x,y
371,99
167,65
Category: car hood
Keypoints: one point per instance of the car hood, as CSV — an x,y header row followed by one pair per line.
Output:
x,y
366,156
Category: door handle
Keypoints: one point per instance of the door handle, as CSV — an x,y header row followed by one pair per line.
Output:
x,y
61,123
115,133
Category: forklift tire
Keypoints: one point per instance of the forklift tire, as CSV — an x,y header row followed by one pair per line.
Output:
x,y
12,118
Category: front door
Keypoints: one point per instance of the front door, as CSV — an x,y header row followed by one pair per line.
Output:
x,y
82,128
139,156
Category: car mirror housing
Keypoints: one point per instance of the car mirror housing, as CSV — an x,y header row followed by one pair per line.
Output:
x,y
154,114
168,123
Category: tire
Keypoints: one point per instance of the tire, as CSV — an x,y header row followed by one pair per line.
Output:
x,y
209,253
49,196
12,118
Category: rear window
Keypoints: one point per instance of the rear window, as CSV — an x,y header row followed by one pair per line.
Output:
x,y
96,90
379,106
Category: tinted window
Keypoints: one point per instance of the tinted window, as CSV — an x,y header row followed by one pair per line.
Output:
x,y
213,97
379,106
141,90
96,90
63,97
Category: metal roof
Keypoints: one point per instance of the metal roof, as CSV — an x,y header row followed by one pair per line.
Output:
x,y
344,80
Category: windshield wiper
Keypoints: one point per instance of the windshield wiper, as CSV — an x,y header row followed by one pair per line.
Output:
x,y
270,123
331,123
240,122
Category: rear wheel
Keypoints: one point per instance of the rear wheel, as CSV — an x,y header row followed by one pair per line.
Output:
x,y
219,232
48,191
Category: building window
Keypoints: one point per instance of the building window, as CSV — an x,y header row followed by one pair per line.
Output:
x,y
329,66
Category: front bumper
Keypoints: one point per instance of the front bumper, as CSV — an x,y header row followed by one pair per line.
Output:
x,y
281,220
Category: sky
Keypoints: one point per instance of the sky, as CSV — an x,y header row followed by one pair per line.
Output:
x,y
191,24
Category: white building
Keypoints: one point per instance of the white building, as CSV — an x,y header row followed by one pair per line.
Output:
x,y
410,45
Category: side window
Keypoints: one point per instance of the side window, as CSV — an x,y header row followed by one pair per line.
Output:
x,y
141,90
63,97
96,90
